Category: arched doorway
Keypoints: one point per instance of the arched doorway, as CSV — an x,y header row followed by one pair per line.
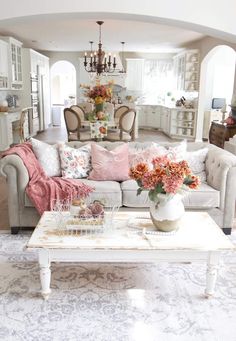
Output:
x,y
63,88
216,80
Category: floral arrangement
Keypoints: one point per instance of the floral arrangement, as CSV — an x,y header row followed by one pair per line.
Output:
x,y
100,93
165,177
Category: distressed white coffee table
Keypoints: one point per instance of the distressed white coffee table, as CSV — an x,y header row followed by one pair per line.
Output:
x,y
197,239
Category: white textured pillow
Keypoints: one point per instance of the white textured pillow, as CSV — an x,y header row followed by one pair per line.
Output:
x,y
47,156
177,151
75,162
146,155
196,161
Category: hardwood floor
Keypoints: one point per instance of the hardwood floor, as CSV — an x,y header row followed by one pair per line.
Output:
x,y
55,134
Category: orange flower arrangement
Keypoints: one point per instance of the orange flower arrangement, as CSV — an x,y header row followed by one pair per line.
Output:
x,y
100,93
165,177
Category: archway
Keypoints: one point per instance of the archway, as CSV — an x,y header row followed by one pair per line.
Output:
x,y
63,88
216,80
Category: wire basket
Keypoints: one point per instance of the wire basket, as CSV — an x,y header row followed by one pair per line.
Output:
x,y
69,223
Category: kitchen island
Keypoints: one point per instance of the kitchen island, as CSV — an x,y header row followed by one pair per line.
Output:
x,y
176,122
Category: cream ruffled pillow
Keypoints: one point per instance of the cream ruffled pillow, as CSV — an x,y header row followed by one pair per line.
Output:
x,y
47,156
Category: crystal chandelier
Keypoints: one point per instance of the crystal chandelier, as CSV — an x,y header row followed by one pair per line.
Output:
x,y
98,61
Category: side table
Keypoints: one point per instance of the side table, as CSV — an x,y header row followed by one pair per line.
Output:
x,y
219,133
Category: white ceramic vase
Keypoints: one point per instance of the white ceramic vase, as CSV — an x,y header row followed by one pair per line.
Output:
x,y
166,212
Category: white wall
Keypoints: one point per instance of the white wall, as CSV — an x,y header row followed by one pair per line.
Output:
x,y
216,17
224,57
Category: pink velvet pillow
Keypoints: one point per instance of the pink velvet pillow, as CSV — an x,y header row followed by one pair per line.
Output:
x,y
109,164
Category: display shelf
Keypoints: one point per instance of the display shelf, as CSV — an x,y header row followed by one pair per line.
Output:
x,y
183,123
186,67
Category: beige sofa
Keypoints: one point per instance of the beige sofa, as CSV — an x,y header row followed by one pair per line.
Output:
x,y
216,195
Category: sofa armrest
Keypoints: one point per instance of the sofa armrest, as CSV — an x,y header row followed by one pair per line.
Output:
x,y
230,196
13,168
221,175
218,164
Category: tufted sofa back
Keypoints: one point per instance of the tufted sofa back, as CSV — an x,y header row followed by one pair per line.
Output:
x,y
218,161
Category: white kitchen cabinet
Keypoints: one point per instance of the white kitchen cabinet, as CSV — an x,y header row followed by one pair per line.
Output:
x,y
165,120
153,117
142,116
174,122
14,63
186,70
149,116
4,82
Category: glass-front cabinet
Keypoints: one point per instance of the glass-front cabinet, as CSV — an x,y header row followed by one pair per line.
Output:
x,y
4,82
14,63
186,70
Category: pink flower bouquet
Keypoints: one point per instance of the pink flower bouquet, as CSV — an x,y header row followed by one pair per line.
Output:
x,y
165,177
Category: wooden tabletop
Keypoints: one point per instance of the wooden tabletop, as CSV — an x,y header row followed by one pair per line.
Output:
x,y
197,232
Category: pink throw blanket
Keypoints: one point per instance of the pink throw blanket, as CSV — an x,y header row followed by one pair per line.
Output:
x,y
42,189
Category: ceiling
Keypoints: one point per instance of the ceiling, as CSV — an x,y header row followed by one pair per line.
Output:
x,y
68,32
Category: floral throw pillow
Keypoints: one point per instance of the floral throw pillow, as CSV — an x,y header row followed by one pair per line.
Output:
x,y
47,156
75,163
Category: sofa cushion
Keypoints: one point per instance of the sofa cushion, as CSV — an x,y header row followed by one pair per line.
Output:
x,y
47,156
75,163
108,190
203,197
109,165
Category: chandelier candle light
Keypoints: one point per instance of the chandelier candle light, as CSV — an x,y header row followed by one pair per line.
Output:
x,y
98,61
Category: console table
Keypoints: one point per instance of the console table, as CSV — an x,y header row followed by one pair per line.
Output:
x,y
219,133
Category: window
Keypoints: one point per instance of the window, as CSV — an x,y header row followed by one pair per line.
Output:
x,y
158,79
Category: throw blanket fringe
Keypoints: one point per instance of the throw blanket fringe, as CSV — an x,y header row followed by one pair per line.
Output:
x,y
42,189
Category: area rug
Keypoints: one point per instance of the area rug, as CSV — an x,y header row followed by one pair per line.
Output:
x,y
113,302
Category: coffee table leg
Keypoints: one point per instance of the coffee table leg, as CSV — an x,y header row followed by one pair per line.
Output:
x,y
211,275
45,272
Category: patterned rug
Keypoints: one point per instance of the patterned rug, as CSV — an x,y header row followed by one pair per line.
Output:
x,y
119,302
